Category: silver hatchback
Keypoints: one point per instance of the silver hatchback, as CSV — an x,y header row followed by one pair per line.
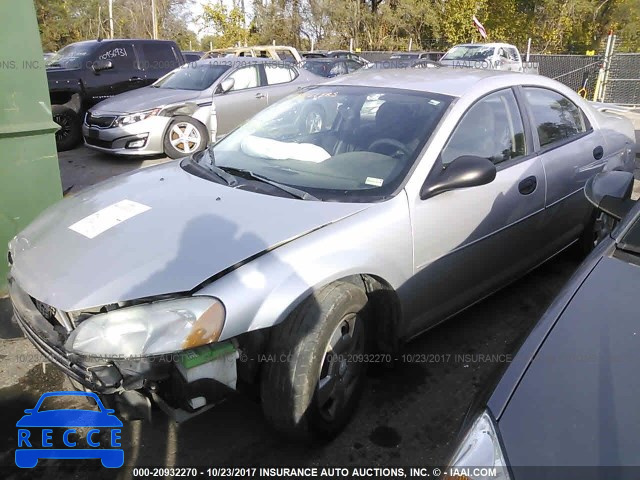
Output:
x,y
190,106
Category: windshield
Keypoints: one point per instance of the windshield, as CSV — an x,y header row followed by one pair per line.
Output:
x,y
469,52
336,142
192,76
71,56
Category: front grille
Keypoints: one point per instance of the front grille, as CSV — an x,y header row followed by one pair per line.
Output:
x,y
97,142
100,121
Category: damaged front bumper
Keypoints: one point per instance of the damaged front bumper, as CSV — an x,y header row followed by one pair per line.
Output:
x,y
182,384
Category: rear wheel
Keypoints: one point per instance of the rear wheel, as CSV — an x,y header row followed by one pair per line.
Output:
x,y
184,137
316,372
599,227
69,134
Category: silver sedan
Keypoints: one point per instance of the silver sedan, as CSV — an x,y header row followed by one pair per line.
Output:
x,y
190,106
286,261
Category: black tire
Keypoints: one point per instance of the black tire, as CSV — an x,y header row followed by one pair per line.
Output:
x,y
301,355
70,133
187,126
599,226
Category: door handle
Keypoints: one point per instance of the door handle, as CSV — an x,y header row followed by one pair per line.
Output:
x,y
260,95
134,79
598,152
528,185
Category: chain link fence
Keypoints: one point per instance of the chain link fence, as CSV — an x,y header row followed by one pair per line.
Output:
x,y
623,83
577,72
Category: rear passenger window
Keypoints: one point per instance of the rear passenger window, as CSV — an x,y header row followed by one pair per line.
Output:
x,y
556,117
286,56
278,73
492,128
159,56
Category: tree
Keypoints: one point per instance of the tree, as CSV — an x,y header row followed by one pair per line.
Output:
x,y
228,25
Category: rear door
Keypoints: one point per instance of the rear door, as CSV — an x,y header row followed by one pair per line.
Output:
x,y
571,152
158,59
471,241
247,97
279,78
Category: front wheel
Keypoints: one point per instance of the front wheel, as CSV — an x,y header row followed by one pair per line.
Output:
x,y
69,134
185,136
316,370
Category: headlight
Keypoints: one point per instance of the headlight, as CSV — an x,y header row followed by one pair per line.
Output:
x,y
479,455
151,329
123,120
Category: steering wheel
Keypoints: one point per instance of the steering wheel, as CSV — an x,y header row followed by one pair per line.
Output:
x,y
390,141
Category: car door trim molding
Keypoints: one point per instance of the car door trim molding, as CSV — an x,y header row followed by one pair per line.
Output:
x,y
473,242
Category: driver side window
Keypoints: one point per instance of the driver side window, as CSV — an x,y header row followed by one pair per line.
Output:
x,y
245,77
492,128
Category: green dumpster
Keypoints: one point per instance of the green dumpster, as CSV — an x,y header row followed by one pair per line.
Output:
x,y
29,172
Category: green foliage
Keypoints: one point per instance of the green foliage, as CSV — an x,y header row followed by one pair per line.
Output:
x,y
227,23
567,26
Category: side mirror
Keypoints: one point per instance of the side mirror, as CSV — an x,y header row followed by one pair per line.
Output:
x,y
100,65
463,172
226,85
610,192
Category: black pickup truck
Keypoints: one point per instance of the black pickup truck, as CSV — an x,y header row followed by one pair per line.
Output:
x,y
84,73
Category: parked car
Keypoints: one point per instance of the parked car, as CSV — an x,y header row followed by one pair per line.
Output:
x,y
334,54
192,56
85,73
282,53
415,56
266,261
331,67
567,403
497,56
189,107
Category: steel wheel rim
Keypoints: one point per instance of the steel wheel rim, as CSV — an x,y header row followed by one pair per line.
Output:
x,y
313,122
340,367
185,137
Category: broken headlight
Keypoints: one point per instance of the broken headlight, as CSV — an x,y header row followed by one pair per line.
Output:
x,y
150,329
124,120
479,456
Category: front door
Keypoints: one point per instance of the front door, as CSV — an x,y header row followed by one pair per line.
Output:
x,y
247,97
124,76
469,242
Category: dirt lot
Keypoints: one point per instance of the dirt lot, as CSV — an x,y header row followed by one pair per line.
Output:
x,y
409,414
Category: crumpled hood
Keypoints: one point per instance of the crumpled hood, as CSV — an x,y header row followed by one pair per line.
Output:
x,y
144,98
182,230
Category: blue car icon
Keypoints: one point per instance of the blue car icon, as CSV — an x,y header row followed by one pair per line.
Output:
x,y
35,433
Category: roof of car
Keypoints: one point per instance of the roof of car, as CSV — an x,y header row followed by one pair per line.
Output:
x,y
447,81
494,44
324,59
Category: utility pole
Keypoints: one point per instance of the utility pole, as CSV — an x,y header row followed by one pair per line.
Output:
x,y
154,20
111,19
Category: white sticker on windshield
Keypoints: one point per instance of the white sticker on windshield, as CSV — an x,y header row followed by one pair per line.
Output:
x,y
376,182
434,102
108,217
